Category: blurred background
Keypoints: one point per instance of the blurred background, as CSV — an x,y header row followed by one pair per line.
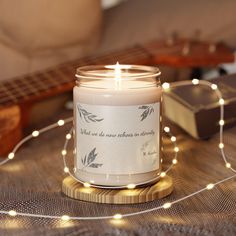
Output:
x,y
42,42
35,35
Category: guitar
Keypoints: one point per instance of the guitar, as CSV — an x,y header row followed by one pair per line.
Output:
x,y
19,94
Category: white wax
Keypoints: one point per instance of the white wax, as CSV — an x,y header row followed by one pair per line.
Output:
x,y
113,93
126,93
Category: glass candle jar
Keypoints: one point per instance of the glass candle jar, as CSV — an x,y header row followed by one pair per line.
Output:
x,y
117,119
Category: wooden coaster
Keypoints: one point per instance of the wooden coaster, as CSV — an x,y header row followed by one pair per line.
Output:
x,y
76,190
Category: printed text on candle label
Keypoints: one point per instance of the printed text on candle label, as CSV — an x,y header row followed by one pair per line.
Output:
x,y
117,139
120,135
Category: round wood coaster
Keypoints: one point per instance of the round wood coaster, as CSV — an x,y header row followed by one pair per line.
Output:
x,y
76,190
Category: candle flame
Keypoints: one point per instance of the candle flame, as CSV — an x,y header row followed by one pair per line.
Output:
x,y
117,71
117,76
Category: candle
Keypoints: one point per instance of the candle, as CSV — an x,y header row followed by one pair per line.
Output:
x,y
117,124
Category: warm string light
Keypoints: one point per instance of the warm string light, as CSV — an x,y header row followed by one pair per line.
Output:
x,y
167,205
163,174
117,216
66,169
12,213
61,122
166,86
214,86
221,101
173,138
87,185
221,122
167,129
195,81
174,161
63,152
11,155
210,186
228,165
176,149
35,133
131,186
65,217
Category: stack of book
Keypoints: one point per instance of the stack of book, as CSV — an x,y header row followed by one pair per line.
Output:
x,y
196,109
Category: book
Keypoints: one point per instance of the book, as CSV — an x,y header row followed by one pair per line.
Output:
x,y
196,108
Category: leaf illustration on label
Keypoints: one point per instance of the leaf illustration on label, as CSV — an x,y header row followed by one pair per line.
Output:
x,y
87,116
91,156
88,161
84,160
95,165
148,110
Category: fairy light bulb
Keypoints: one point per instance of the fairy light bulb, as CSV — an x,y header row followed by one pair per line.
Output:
x,y
65,217
214,86
195,81
61,122
131,186
173,138
167,129
12,213
210,186
221,122
176,149
68,136
221,101
11,155
221,145
228,165
117,216
165,86
174,161
66,169
163,174
35,133
63,152
87,185
167,205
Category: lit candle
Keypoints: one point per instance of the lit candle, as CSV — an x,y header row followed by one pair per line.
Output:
x,y
117,124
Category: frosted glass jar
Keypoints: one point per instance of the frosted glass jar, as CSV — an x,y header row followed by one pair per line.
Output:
x,y
117,119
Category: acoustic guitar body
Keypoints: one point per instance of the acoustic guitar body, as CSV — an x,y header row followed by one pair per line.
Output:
x,y
10,128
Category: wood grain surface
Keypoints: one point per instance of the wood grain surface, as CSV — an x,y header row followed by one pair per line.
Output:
x,y
76,190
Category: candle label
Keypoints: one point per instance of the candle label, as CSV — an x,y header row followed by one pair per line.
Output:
x,y
117,139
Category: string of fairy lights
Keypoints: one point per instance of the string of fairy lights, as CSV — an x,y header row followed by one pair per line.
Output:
x,y
118,216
